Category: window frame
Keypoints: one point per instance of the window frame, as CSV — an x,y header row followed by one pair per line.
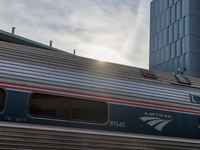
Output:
x,y
176,49
181,9
173,66
67,119
181,47
184,62
179,67
172,32
170,15
178,29
170,51
167,35
5,98
168,67
184,27
176,12
192,98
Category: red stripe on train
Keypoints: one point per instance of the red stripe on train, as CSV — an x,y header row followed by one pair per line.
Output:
x,y
113,100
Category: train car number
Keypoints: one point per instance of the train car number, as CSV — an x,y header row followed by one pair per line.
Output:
x,y
117,124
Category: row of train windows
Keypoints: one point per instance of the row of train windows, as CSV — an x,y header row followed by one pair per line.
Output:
x,y
67,108
64,108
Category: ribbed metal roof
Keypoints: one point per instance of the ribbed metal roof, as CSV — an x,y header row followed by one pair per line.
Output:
x,y
35,66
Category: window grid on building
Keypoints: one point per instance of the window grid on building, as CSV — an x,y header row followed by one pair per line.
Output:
x,y
174,30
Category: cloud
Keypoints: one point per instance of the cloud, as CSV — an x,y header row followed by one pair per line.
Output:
x,y
119,25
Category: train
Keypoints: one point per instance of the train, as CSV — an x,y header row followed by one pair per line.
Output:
x,y
54,100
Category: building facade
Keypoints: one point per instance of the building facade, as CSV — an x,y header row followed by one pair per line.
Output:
x,y
175,37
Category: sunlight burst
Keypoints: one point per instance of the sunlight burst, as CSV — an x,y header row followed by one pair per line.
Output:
x,y
105,54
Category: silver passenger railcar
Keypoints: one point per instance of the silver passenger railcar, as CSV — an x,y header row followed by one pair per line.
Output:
x,y
54,100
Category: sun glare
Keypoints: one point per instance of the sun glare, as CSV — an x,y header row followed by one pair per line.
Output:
x,y
105,54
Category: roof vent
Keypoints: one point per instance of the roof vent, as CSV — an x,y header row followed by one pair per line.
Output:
x,y
50,44
182,79
13,30
148,73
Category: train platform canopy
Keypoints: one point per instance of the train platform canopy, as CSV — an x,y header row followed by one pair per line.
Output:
x,y
13,38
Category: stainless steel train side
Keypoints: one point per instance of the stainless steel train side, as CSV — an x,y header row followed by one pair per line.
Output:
x,y
27,69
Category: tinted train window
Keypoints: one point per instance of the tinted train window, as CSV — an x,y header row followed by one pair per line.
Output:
x,y
45,105
60,107
93,111
2,99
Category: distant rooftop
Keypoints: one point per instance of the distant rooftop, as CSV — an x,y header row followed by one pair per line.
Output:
x,y
12,38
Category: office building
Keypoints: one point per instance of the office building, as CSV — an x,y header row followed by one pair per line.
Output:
x,y
175,37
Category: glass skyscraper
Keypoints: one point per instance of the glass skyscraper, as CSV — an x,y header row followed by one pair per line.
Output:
x,y
175,37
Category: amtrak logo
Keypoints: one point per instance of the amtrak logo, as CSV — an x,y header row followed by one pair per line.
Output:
x,y
159,123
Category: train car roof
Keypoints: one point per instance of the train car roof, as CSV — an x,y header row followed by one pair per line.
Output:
x,y
56,59
26,66
13,38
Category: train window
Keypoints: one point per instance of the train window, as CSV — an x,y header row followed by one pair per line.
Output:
x,y
148,73
44,105
182,79
60,107
195,99
92,111
2,99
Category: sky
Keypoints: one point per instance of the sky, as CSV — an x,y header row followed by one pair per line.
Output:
x,y
108,30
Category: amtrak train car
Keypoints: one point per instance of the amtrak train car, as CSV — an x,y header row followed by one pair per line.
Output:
x,y
55,100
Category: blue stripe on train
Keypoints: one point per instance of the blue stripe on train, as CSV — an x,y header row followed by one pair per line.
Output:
x,y
122,118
